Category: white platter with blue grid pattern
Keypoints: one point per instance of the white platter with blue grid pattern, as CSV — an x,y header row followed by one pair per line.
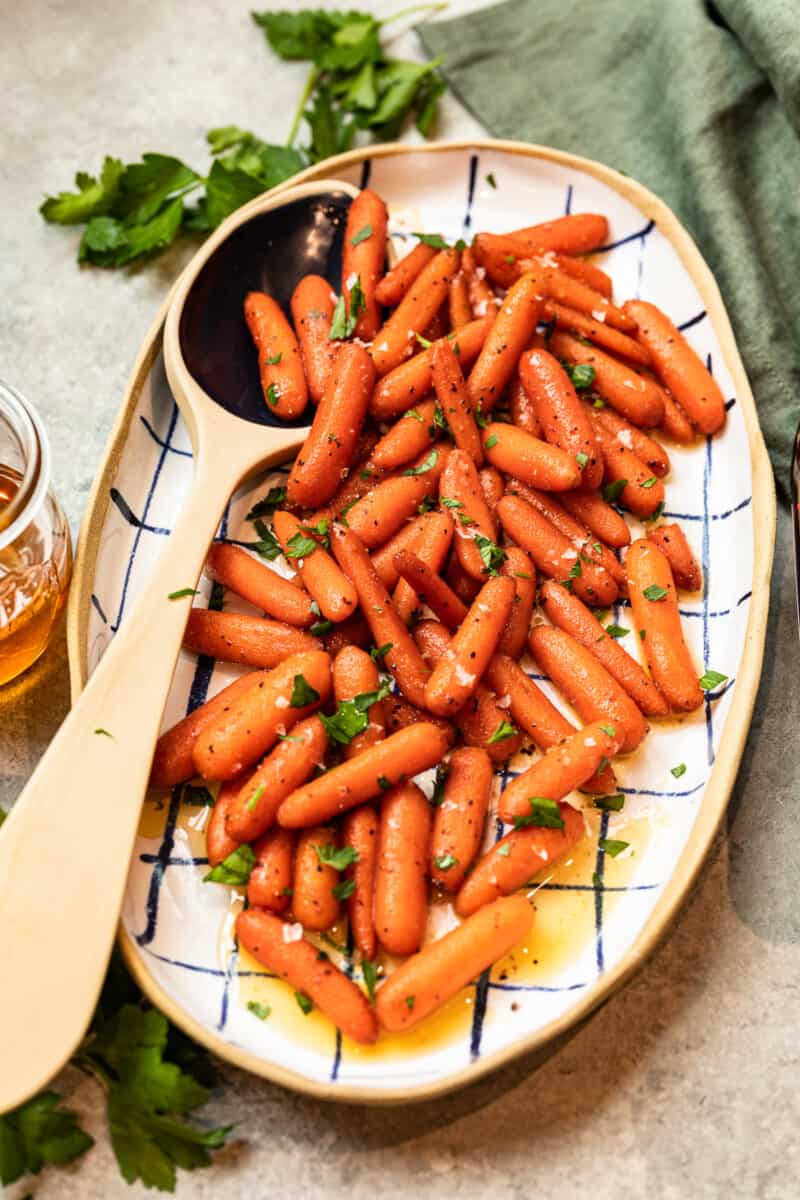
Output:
x,y
597,917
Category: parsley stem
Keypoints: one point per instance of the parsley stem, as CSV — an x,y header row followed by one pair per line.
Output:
x,y
301,107
406,12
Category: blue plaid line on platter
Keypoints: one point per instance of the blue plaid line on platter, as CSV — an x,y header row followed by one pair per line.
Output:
x,y
568,200
160,441
473,175
631,237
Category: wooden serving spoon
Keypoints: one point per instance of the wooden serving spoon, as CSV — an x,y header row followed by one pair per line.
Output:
x,y
65,848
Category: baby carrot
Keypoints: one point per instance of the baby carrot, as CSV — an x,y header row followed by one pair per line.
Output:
x,y
408,537
355,674
257,800
173,760
464,586
219,843
333,591
411,382
530,459
565,289
590,689
577,233
451,392
632,394
360,779
678,367
561,414
401,715
654,602
255,720
409,437
382,511
461,494
401,893
675,423
456,676
396,282
567,612
458,821
481,297
642,491
402,658
254,641
255,581
561,769
270,883
439,325
363,258
431,549
553,554
510,333
396,340
492,486
431,589
651,452
314,903
353,632
330,446
280,366
685,568
312,311
607,336
517,858
360,831
459,307
301,965
522,409
519,568
600,518
438,972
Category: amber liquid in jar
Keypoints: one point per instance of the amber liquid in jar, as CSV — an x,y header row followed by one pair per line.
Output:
x,y
34,574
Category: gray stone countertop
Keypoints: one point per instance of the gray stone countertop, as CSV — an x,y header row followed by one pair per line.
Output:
x,y
683,1085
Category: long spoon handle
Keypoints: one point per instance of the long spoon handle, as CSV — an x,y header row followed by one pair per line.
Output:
x,y
65,848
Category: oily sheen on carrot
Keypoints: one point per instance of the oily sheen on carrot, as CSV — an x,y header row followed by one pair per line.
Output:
x,y
301,965
314,904
562,769
459,307
255,805
324,580
531,459
632,394
458,821
671,541
401,893
360,779
411,382
460,492
396,339
587,326
600,518
451,392
561,414
219,843
409,437
283,380
509,335
312,307
382,511
431,549
456,676
360,831
255,581
270,882
363,258
651,452
431,589
234,637
433,976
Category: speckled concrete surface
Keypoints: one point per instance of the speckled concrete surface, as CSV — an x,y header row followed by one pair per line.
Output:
x,y
685,1084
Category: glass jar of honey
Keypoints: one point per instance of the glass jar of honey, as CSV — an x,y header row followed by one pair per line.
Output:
x,y
35,547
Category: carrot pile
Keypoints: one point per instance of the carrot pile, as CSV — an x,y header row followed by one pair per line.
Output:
x,y
482,414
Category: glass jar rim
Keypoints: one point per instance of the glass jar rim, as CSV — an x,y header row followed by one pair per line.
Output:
x,y
28,426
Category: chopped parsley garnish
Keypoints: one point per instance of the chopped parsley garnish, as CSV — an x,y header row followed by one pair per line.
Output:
x,y
378,652
609,730
339,859
256,796
613,491
273,360
343,325
304,1004
300,546
410,1002
267,505
273,395
711,679
492,182
426,343
303,693
617,631
491,442
581,459
423,468
434,240
648,483
544,812
679,770
504,850
502,733
510,259
450,503
656,513
370,973
445,862
344,889
179,595
480,419
492,555
235,869
321,627
383,783
654,592
103,732
442,771
581,375
268,547
364,232
613,846
262,1011
610,803
352,716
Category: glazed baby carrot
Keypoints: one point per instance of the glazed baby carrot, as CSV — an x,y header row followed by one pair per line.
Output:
x,y
521,570
173,762
439,326
353,632
312,311
565,289
632,394
314,902
517,858
492,486
401,893
451,392
286,767
255,581
407,537
461,494
561,414
360,832
510,333
675,423
464,586
562,769
333,591
431,549
433,976
411,382
280,366
355,674
577,233
506,256
481,297
398,280
567,612
254,641
396,340
600,518
363,258
270,883
596,331
651,452
522,409
672,543
381,512
360,779
402,658
456,676
256,719
299,962
459,307
654,602
219,843
530,459
330,446
459,818
409,437
678,367
401,715
590,689
642,491
553,554
431,589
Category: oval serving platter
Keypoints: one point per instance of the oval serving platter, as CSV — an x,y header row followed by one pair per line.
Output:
x,y
597,916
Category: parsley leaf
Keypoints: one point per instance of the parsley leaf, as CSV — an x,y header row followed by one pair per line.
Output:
x,y
304,1003
492,555
581,375
610,803
179,595
678,770
339,859
37,1133
434,240
352,716
581,459
613,491
617,631
423,468
343,323
268,547
303,693
361,236
711,679
504,730
262,1011
379,652
544,812
445,862
300,546
654,592
370,973
235,869
490,442
344,889
266,506
613,846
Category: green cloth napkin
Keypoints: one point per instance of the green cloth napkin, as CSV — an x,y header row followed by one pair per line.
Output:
x,y
701,104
